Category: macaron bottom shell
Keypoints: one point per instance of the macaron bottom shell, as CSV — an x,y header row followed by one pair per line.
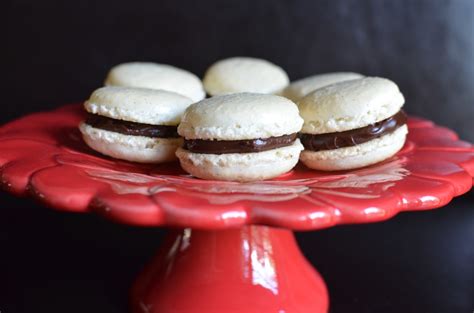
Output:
x,y
130,148
242,167
357,156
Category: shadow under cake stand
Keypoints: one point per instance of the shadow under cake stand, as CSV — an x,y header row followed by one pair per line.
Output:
x,y
231,246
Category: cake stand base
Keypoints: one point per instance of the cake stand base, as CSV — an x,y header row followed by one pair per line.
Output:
x,y
251,269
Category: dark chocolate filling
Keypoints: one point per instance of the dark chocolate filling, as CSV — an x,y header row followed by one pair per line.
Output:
x,y
131,128
353,137
238,146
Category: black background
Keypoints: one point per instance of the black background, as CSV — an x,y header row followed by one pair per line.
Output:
x,y
56,52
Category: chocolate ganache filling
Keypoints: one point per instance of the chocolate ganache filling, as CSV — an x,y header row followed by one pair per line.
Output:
x,y
238,146
131,128
353,137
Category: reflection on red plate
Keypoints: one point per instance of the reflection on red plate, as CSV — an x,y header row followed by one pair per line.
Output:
x,y
43,155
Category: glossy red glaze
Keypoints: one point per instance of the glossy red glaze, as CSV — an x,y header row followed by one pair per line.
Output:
x,y
238,268
44,154
255,269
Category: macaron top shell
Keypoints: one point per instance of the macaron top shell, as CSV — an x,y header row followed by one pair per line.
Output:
x,y
300,88
147,106
350,104
243,74
240,116
156,76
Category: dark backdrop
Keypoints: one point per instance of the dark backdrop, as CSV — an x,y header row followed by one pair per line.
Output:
x,y
55,52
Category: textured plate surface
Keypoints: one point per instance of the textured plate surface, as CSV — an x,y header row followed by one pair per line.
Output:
x,y
43,155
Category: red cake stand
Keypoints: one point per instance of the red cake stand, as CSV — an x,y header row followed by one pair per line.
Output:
x,y
232,248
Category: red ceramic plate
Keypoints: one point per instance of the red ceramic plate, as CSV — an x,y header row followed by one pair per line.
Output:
x,y
43,155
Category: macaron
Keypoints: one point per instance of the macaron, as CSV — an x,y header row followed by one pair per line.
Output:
x,y
134,124
352,124
300,88
156,76
240,137
244,74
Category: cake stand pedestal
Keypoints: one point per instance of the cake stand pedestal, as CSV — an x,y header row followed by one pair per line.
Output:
x,y
250,269
232,248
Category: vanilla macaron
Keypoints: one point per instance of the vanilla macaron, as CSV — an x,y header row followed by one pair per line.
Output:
x,y
240,137
156,76
352,124
244,74
300,88
134,124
